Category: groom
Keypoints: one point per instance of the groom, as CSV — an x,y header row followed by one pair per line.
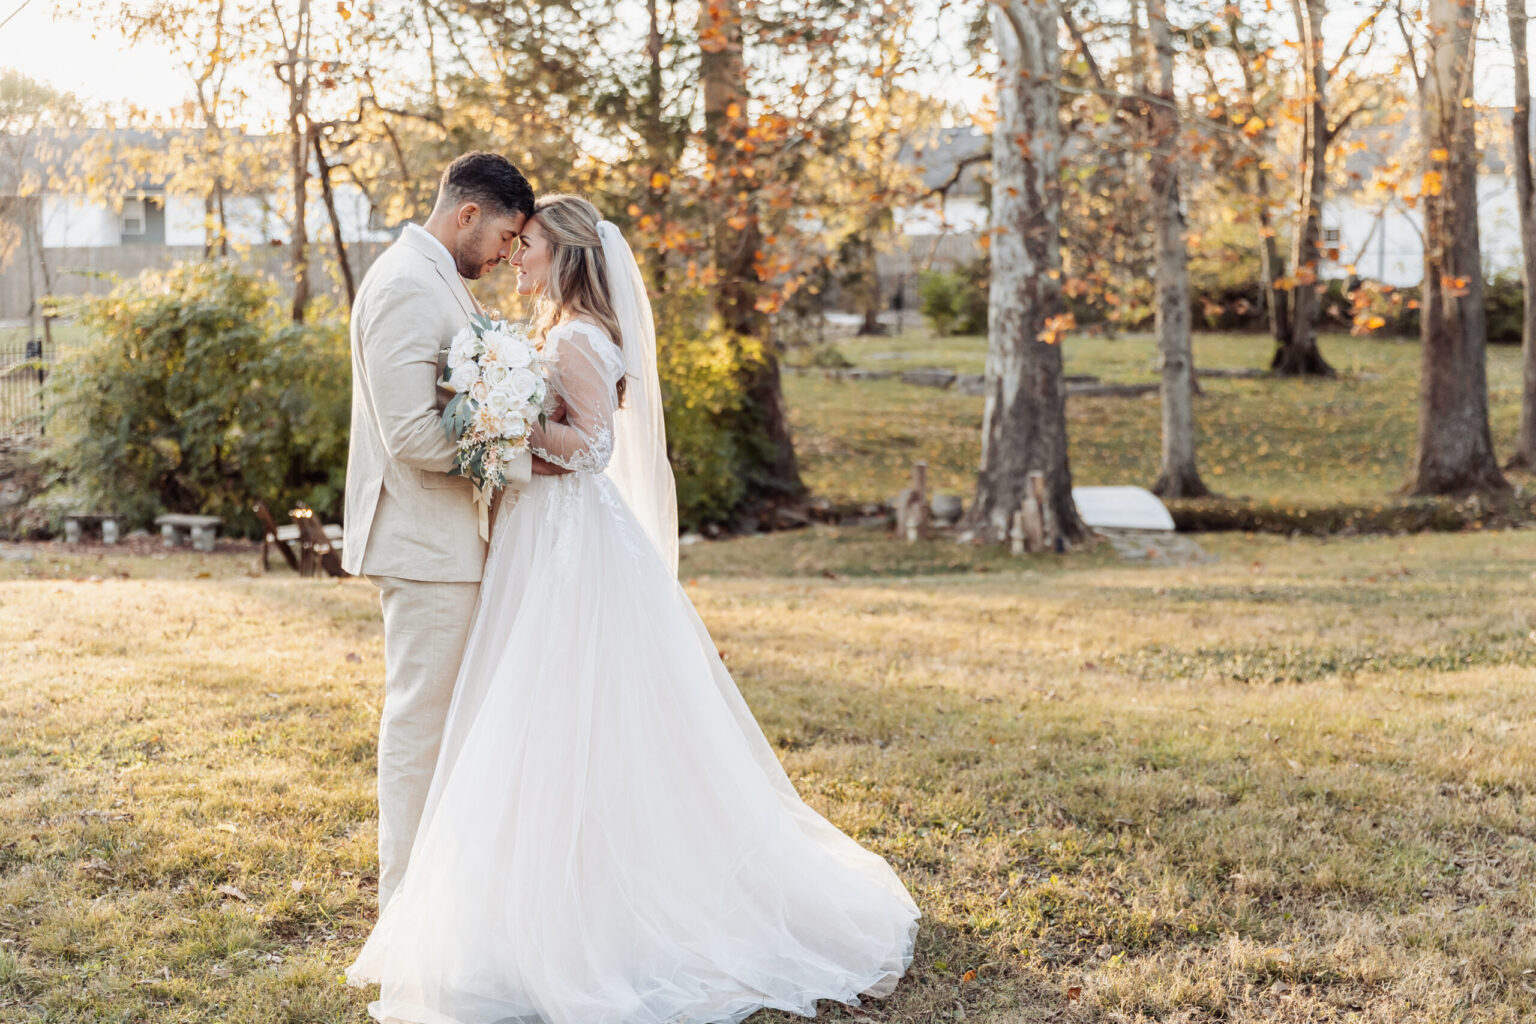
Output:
x,y
410,528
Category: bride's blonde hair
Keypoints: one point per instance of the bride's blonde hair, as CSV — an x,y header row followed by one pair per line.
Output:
x,y
578,277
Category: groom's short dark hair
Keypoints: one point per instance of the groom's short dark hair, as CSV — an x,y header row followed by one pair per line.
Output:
x,y
489,180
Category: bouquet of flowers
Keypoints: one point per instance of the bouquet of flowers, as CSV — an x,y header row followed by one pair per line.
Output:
x,y
500,384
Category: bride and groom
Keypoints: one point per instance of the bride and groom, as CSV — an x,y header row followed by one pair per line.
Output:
x,y
580,822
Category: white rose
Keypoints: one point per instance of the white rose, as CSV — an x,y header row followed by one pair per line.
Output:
x,y
462,376
480,390
518,354
498,342
502,402
460,350
493,370
522,384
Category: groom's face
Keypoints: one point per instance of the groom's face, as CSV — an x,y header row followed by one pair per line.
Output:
x,y
485,239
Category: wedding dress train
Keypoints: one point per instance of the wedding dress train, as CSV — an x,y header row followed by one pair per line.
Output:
x,y
609,838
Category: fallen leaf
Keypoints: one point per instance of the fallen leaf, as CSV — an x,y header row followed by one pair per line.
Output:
x,y
229,890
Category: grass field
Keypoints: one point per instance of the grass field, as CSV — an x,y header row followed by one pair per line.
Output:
x,y
1293,784
1295,442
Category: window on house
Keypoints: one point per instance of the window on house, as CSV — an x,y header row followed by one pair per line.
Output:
x,y
1331,236
132,220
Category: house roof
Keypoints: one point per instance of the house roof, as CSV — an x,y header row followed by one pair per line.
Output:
x,y
47,155
936,155
1398,141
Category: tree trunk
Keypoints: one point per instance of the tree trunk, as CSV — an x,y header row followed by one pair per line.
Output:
x,y
772,472
1178,476
1271,268
1297,355
1024,425
1525,441
329,198
871,292
657,142
297,83
1277,300
1455,446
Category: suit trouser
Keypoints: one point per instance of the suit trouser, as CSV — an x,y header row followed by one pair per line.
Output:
x,y
425,627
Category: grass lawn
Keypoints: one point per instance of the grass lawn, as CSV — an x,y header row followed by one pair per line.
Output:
x,y
1294,784
1293,442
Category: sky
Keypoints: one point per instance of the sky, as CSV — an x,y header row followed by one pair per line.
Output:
x,y
93,64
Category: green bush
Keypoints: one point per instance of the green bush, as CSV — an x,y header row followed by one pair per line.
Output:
x,y
192,394
1504,300
955,301
700,365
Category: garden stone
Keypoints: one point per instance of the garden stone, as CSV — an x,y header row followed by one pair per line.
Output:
x,y
929,377
947,508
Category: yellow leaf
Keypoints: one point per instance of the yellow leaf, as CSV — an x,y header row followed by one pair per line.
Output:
x,y
1440,155
1433,182
660,180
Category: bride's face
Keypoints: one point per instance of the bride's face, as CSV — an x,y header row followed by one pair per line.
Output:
x,y
532,258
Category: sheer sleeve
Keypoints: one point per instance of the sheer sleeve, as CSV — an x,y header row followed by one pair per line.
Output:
x,y
586,368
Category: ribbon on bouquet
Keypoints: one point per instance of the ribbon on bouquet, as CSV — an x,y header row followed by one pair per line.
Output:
x,y
483,509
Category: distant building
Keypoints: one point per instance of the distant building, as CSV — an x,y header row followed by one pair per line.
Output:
x,y
87,240
1375,232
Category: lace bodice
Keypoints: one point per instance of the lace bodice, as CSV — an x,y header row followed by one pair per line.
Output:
x,y
586,371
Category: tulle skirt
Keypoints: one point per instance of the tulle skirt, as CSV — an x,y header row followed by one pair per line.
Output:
x,y
609,838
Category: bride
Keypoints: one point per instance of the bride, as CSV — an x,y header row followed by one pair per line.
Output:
x,y
609,839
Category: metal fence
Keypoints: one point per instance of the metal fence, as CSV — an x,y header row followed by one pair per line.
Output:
x,y
24,365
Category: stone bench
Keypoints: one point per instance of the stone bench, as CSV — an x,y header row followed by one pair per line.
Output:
x,y
202,530
76,522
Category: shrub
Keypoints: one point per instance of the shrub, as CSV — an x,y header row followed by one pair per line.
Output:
x,y
191,394
955,301
1504,301
700,365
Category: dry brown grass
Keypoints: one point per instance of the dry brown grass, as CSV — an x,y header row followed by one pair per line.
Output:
x,y
1295,784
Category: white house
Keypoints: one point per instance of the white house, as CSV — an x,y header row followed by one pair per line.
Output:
x,y
1377,233
88,239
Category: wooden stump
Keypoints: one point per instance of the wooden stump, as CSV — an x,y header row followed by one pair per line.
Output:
x,y
912,518
1034,524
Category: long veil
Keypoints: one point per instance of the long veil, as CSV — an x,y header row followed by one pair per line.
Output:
x,y
639,467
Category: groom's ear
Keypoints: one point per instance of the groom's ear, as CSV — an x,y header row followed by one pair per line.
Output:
x,y
467,214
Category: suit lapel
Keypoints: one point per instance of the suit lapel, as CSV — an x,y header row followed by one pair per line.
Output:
x,y
449,276
460,293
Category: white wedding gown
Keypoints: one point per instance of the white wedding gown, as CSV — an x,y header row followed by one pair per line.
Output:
x,y
609,838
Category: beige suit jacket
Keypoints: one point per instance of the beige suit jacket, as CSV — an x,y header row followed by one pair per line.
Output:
x,y
406,518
